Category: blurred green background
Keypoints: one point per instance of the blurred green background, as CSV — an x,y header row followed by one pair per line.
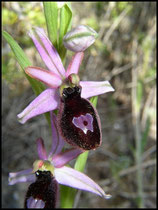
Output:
x,y
124,54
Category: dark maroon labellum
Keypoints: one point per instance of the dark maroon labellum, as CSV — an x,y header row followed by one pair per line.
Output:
x,y
43,192
78,121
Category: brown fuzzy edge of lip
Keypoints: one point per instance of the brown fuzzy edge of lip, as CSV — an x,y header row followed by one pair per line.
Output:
x,y
61,106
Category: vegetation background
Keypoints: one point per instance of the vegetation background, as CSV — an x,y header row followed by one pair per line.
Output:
x,y
124,54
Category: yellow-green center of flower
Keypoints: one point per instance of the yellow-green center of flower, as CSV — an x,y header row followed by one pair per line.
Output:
x,y
43,165
72,81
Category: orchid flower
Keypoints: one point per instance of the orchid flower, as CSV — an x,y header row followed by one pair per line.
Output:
x,y
54,78
55,162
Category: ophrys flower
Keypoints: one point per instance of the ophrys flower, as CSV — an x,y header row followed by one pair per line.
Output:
x,y
55,77
51,168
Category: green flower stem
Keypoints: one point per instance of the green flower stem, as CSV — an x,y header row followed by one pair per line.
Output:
x,y
136,105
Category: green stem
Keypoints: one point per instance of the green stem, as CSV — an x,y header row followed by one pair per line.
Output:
x,y
138,157
136,106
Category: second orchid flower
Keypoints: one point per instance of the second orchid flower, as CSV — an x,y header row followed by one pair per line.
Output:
x,y
50,170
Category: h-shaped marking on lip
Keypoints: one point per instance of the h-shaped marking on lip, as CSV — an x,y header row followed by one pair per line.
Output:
x,y
84,122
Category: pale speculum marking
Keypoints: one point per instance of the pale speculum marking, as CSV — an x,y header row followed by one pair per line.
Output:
x,y
35,203
84,122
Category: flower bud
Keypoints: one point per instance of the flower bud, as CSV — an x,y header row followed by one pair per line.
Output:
x,y
80,38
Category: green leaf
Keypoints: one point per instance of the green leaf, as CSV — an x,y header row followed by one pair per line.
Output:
x,y
24,62
18,52
65,25
51,16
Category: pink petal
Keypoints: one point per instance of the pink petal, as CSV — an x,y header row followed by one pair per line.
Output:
x,y
90,89
73,178
63,158
45,57
49,78
21,176
57,141
51,51
48,100
60,145
75,64
19,173
41,149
